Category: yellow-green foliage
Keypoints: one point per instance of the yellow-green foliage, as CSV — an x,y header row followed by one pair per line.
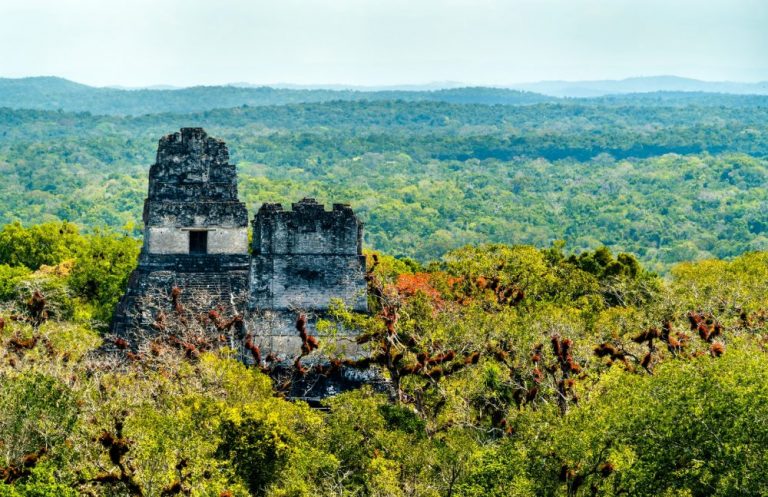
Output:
x,y
500,389
724,287
82,276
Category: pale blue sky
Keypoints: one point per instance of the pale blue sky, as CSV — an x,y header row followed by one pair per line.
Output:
x,y
381,42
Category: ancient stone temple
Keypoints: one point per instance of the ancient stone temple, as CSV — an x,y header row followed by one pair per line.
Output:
x,y
301,259
196,243
195,228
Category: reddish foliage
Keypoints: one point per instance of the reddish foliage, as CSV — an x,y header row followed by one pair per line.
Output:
x,y
716,349
254,349
694,318
572,365
176,300
472,358
537,375
440,358
174,489
606,469
13,472
561,347
500,355
160,321
409,285
646,360
36,306
190,351
705,325
155,349
327,369
647,336
556,347
390,317
607,350
117,447
298,366
301,323
23,343
409,370
308,342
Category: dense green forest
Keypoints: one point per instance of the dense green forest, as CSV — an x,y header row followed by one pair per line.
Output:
x,y
568,297
666,177
512,371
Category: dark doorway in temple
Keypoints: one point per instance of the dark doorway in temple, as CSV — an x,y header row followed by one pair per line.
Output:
x,y
198,242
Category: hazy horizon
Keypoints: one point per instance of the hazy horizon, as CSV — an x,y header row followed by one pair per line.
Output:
x,y
404,84
143,43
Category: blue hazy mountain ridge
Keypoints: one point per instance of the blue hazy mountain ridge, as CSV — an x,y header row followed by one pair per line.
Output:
x,y
586,89
53,93
573,89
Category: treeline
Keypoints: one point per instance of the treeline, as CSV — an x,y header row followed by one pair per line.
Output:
x,y
50,93
434,118
511,371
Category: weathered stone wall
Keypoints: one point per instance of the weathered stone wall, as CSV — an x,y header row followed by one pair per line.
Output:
x,y
189,213
275,332
305,257
302,259
166,240
192,167
174,240
209,280
306,281
228,241
307,229
191,186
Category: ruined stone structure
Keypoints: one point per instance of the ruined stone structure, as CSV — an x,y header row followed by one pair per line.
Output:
x,y
195,239
301,259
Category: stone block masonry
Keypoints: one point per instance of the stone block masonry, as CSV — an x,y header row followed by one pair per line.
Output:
x,y
195,239
304,257
192,189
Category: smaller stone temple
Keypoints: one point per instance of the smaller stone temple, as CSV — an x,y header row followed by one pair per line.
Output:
x,y
301,259
196,243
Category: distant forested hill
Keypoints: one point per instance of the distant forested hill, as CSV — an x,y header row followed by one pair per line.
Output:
x,y
49,93
668,180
